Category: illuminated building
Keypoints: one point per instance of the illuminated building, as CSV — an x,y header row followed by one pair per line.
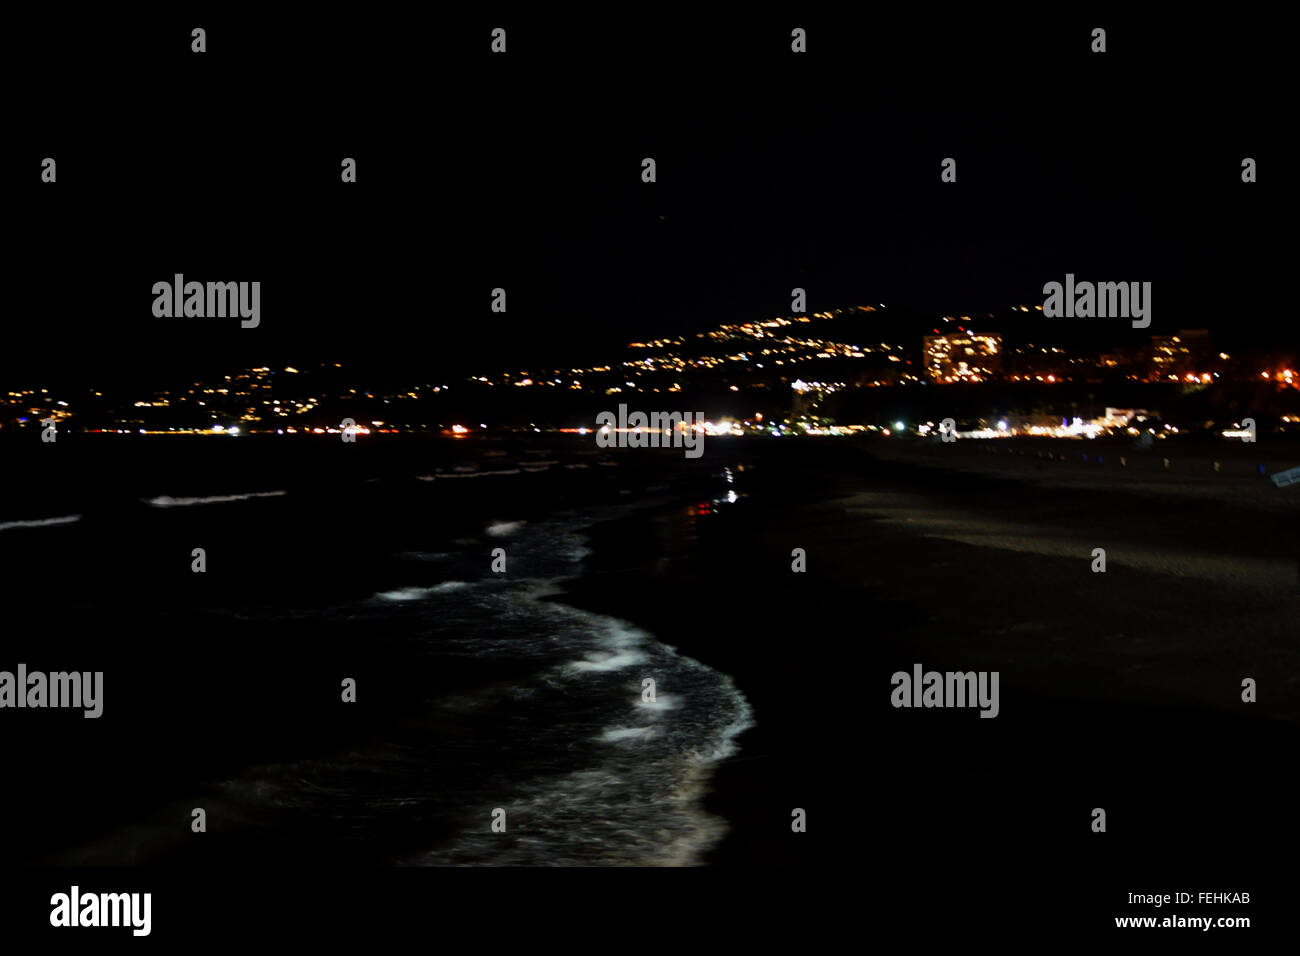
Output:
x,y
1177,356
962,356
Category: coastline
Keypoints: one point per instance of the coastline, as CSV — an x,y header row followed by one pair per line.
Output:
x,y
1115,687
1097,705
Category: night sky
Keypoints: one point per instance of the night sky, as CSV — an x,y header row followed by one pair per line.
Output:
x,y
523,171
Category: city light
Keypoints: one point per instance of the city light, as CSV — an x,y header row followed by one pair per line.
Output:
x,y
254,398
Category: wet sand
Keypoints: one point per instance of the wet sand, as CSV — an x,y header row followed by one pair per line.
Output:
x,y
1119,690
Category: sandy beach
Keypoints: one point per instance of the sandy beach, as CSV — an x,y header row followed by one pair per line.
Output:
x,y
1120,690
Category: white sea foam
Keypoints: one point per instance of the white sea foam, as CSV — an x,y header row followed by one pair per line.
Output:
x,y
635,796
661,702
478,474
614,735
415,594
167,501
40,522
601,661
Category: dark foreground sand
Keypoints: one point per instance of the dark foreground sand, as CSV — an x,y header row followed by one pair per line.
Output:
x,y
1119,690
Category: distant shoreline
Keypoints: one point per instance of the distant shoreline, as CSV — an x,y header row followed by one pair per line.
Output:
x,y
1116,466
